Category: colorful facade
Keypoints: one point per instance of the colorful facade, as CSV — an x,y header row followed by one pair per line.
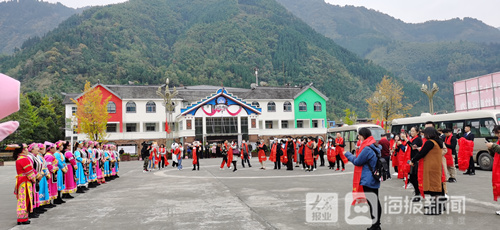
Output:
x,y
210,113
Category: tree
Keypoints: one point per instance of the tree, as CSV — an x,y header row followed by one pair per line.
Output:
x,y
350,117
385,103
92,113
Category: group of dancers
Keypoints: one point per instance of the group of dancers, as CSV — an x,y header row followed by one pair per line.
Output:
x,y
303,151
48,172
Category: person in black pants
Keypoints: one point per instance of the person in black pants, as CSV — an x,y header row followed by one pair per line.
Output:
x,y
415,143
290,150
302,150
470,136
339,148
145,155
321,153
279,153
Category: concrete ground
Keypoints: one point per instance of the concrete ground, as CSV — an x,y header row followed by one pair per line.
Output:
x,y
249,198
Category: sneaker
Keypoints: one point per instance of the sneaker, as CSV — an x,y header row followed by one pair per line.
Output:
x,y
498,213
314,169
229,167
409,186
395,174
145,170
343,170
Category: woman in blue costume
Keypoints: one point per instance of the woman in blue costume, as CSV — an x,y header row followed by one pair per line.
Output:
x,y
61,164
92,178
107,171
81,182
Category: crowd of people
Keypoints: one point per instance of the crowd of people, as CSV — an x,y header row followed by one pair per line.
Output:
x,y
286,152
48,173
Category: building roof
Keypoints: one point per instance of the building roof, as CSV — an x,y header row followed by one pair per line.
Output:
x,y
197,92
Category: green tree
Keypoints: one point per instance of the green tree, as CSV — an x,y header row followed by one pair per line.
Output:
x,y
350,117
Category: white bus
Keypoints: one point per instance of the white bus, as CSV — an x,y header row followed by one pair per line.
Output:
x,y
482,123
350,134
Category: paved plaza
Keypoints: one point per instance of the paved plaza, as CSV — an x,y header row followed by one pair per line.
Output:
x,y
249,198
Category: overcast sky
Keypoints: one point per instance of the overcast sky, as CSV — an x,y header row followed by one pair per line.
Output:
x,y
413,11
416,11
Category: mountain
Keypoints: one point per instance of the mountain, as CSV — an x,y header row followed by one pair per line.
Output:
x,y
447,51
197,42
22,19
359,29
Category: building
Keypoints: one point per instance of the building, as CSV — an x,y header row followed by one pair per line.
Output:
x,y
478,93
210,113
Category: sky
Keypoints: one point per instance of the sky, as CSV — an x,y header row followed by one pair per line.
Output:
x,y
412,11
416,11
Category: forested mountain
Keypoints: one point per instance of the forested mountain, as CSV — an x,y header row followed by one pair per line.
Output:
x,y
193,42
22,19
445,50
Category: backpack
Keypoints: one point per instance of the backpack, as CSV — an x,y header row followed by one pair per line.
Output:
x,y
381,169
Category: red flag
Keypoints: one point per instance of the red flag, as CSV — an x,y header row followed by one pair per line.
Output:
x,y
378,122
167,128
382,123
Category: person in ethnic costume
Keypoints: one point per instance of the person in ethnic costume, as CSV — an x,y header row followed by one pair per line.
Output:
x,y
69,176
80,174
43,194
106,161
99,156
24,184
37,166
53,168
92,164
62,169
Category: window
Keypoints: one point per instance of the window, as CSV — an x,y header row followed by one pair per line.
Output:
x,y
269,124
300,124
302,107
271,107
73,110
111,128
131,107
150,107
315,123
150,127
317,106
111,107
131,127
284,124
287,106
256,104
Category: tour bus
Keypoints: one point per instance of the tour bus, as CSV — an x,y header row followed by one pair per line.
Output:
x,y
482,123
350,134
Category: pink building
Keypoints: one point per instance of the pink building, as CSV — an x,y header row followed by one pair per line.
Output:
x,y
477,93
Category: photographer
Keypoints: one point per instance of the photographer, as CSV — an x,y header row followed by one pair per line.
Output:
x,y
145,155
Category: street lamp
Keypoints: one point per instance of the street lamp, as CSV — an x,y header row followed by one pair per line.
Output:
x,y
71,122
169,109
430,93
381,100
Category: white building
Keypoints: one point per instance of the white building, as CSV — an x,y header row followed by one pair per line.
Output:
x,y
210,113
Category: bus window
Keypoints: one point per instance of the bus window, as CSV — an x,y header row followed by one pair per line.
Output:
x,y
474,127
457,127
353,135
486,127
